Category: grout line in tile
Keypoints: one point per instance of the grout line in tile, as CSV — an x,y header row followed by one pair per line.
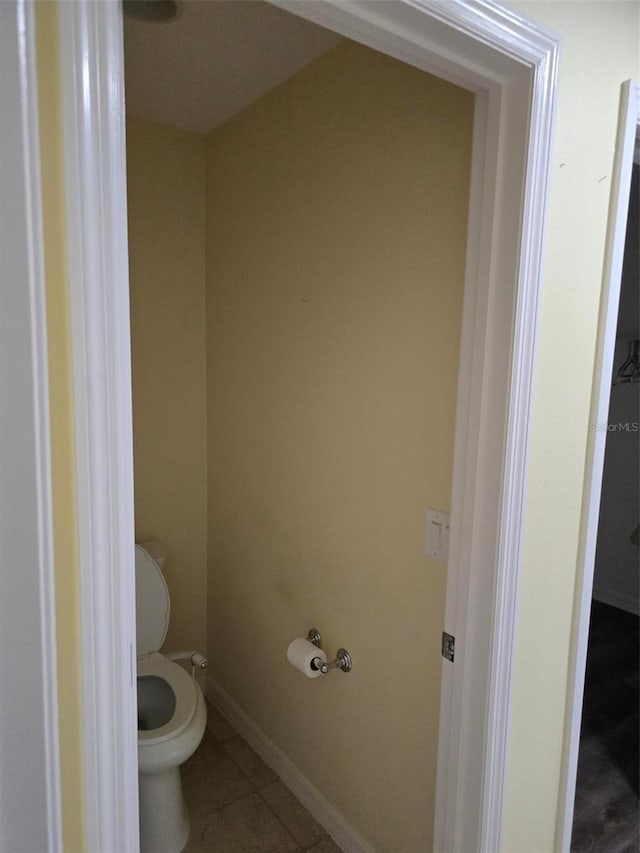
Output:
x,y
230,803
237,800
223,740
257,790
246,776
314,843
277,818
235,763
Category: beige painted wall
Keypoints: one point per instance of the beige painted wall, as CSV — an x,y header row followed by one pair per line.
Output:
x,y
336,226
599,51
65,531
166,175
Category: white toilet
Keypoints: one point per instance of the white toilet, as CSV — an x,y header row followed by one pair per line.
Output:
x,y
171,713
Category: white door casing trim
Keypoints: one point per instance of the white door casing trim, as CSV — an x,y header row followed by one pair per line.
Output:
x,y
511,64
96,208
628,132
30,767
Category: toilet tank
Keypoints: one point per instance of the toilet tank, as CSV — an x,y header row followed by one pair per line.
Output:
x,y
156,550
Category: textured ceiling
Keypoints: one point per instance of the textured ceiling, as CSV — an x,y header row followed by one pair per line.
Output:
x,y
216,57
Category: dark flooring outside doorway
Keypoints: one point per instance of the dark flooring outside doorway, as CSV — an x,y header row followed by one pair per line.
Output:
x,y
606,805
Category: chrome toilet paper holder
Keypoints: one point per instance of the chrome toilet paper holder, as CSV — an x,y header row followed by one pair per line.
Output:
x,y
342,659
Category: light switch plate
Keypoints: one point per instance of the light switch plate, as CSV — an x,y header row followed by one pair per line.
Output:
x,y
436,534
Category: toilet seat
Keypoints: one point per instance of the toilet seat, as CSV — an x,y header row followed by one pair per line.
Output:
x,y
184,688
165,746
171,744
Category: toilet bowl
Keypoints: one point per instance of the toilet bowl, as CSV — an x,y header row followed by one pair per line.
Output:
x,y
171,716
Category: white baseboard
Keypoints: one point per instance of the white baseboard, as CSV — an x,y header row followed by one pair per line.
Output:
x,y
340,830
624,602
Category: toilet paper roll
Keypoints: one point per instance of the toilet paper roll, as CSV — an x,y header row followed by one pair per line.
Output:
x,y
302,654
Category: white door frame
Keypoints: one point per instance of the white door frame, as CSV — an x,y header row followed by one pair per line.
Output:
x,y
96,206
511,64
30,810
628,132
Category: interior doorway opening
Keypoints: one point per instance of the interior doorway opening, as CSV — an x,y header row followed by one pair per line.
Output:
x,y
511,65
606,372
606,802
296,288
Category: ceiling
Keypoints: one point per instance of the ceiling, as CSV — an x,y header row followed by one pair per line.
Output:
x,y
214,59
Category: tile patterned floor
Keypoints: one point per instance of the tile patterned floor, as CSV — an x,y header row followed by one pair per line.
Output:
x,y
606,804
238,805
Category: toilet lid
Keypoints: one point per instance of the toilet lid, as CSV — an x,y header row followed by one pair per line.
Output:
x,y
152,604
